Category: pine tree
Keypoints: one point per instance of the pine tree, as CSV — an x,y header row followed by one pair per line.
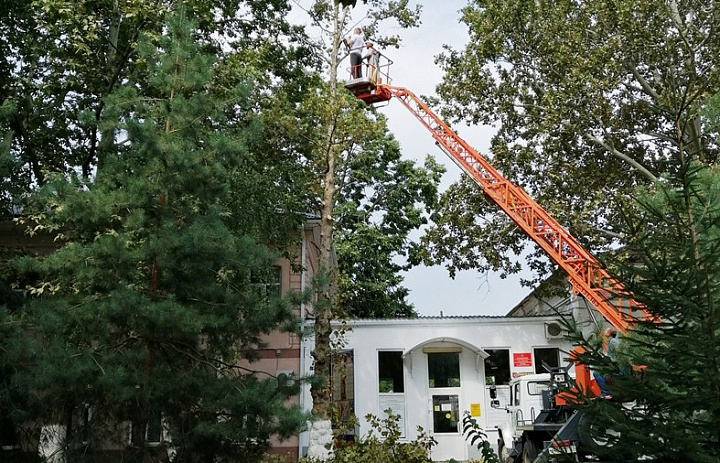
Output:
x,y
156,290
665,378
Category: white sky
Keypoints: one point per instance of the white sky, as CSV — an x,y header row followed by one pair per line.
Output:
x,y
432,291
431,288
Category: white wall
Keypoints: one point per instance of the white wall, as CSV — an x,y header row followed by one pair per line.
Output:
x,y
367,337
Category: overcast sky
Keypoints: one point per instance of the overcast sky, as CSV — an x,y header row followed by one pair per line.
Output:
x,y
431,289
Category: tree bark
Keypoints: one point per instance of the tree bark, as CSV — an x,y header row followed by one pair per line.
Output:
x,y
323,307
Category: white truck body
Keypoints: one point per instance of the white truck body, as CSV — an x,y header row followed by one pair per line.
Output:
x,y
525,404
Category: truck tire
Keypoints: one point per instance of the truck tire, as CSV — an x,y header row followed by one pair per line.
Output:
x,y
593,436
529,453
506,458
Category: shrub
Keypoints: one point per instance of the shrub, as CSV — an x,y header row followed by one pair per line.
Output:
x,y
383,445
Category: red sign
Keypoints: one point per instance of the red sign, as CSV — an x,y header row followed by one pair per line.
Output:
x,y
522,359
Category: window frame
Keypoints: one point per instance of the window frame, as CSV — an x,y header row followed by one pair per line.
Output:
x,y
431,380
271,289
538,367
401,372
491,351
155,419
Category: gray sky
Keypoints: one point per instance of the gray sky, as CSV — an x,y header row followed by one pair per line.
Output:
x,y
431,289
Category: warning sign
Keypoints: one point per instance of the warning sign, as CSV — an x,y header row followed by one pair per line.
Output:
x,y
474,409
522,359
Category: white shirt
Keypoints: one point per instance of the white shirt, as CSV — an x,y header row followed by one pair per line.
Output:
x,y
356,43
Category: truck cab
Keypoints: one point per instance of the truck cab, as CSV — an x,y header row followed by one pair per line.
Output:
x,y
525,405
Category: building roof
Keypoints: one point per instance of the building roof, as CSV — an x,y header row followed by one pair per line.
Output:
x,y
538,301
446,320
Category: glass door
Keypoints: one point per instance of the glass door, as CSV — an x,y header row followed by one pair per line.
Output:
x,y
444,393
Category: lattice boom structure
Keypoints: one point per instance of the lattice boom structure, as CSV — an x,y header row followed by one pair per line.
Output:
x,y
586,275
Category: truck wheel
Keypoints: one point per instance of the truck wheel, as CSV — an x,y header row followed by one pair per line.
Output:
x,y
503,453
592,435
530,452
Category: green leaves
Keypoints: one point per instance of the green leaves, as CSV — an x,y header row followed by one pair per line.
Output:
x,y
66,57
670,265
590,99
378,199
383,445
382,200
152,296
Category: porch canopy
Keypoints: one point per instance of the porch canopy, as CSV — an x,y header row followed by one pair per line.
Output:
x,y
445,344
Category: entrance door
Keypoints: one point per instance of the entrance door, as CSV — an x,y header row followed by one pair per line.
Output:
x,y
445,397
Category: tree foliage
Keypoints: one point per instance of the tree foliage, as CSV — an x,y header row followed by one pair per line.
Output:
x,y
85,119
346,161
382,202
63,57
673,243
155,292
378,198
384,444
595,101
590,99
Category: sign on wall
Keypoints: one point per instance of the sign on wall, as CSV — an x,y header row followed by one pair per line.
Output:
x,y
522,359
396,403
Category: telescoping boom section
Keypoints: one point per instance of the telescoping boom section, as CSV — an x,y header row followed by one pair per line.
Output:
x,y
586,275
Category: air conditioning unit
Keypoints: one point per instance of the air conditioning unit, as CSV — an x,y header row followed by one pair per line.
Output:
x,y
555,330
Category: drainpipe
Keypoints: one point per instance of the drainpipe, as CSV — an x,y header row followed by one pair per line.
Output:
x,y
303,274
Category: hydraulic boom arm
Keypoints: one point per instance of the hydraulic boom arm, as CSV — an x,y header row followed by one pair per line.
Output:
x,y
586,275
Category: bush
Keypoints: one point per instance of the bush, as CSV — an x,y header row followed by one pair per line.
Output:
x,y
382,444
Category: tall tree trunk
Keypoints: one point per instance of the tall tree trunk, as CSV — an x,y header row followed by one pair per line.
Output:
x,y
99,152
321,430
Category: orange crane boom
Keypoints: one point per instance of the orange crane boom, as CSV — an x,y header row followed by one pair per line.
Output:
x,y
586,274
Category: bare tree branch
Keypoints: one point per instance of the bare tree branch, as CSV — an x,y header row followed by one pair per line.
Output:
x,y
610,149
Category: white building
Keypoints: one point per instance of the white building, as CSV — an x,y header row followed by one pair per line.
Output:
x,y
431,370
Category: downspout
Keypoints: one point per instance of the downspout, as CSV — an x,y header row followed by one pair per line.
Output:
x,y
303,274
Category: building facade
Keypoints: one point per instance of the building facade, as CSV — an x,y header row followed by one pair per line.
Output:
x,y
432,370
280,356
